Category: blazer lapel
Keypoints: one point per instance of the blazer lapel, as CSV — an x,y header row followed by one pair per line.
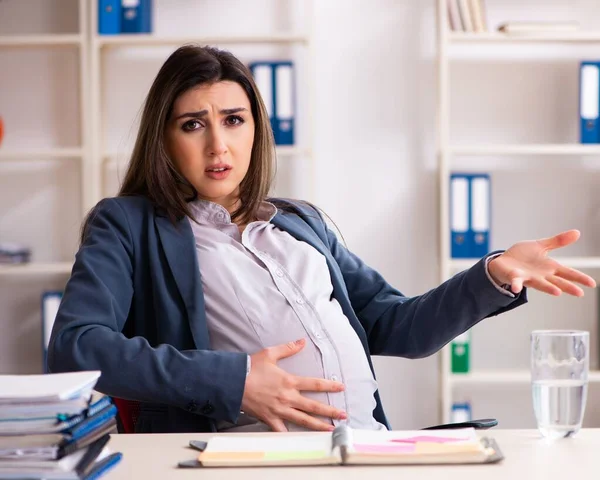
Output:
x,y
180,251
300,231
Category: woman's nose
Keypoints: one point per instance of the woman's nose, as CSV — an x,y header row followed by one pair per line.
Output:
x,y
217,144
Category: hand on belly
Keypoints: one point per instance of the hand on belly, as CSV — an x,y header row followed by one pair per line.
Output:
x,y
277,397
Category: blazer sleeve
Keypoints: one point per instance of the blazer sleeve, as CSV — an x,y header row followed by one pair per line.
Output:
x,y
87,333
416,327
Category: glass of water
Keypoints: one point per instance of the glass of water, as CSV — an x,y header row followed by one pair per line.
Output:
x,y
559,375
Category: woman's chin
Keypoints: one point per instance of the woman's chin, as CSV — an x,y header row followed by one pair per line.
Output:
x,y
221,196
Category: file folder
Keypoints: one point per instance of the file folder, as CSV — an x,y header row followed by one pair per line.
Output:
x,y
50,303
460,353
275,82
284,103
459,216
480,202
589,102
461,412
470,215
136,16
264,79
109,17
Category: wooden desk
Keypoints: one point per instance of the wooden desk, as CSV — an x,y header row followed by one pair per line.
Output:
x,y
527,456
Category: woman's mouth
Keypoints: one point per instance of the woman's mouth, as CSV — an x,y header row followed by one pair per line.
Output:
x,y
218,172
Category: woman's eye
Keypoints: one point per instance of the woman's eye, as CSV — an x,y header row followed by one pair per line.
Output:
x,y
234,120
191,125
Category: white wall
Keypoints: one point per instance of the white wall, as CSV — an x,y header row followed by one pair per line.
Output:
x,y
374,130
375,156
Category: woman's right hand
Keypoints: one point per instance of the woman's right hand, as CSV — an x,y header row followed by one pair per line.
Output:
x,y
273,396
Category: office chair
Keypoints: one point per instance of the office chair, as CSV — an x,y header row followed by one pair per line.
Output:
x,y
129,411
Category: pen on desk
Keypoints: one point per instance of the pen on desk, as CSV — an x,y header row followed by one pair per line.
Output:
x,y
86,464
103,466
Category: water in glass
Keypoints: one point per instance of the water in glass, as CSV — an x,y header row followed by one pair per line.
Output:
x,y
559,406
559,380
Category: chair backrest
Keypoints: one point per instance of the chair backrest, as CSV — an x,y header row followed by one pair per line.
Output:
x,y
129,411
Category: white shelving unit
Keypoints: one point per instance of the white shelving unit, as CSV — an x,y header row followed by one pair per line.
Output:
x,y
447,150
89,158
47,41
102,158
92,153
44,159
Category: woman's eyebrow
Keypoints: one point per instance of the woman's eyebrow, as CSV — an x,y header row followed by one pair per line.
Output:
x,y
201,113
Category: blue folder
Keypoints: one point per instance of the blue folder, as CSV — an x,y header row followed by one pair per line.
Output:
x,y
589,102
109,17
263,73
283,80
136,16
459,216
480,213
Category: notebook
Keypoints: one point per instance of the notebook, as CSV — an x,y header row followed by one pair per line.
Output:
x,y
346,446
53,387
54,419
50,446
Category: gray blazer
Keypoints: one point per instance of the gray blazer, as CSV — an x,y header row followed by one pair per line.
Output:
x,y
133,308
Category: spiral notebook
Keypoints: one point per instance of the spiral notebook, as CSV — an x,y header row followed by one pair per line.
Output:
x,y
346,446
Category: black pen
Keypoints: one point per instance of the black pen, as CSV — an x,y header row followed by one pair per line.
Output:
x,y
85,465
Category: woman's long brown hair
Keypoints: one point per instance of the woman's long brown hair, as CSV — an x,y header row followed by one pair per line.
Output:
x,y
151,173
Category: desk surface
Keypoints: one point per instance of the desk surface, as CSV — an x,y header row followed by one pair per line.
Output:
x,y
527,455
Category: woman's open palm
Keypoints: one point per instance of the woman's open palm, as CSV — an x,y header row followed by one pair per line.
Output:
x,y
527,264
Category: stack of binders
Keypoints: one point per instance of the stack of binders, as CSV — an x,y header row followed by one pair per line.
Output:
x,y
124,16
275,81
470,215
55,426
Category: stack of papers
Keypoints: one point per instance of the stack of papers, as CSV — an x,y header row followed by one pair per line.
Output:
x,y
54,426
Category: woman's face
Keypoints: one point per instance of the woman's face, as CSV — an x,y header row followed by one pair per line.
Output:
x,y
209,137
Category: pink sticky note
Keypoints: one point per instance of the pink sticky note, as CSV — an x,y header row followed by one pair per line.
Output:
x,y
428,439
382,448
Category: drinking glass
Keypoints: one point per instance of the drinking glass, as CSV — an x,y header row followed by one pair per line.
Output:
x,y
559,377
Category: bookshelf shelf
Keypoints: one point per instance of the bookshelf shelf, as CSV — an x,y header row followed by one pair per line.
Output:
x,y
573,262
502,377
26,269
55,40
46,153
526,149
155,40
491,37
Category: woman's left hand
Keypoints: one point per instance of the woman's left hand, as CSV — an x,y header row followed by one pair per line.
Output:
x,y
527,264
